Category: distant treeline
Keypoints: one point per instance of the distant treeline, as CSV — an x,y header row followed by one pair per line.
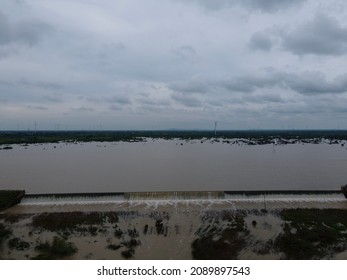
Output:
x,y
258,136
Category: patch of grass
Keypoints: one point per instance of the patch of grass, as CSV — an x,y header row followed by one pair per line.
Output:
x,y
59,249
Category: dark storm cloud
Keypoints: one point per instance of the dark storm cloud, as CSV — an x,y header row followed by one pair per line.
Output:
x,y
260,41
27,32
322,36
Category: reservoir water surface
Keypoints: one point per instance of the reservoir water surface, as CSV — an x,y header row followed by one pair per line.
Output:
x,y
171,165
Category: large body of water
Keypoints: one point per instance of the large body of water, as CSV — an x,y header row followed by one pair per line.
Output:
x,y
172,165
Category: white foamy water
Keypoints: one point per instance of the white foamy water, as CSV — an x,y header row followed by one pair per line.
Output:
x,y
109,203
166,165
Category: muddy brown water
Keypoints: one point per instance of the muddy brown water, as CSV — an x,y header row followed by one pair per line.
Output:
x,y
171,165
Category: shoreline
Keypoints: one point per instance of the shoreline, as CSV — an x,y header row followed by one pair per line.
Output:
x,y
248,137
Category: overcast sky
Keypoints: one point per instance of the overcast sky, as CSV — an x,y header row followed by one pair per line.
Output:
x,y
162,64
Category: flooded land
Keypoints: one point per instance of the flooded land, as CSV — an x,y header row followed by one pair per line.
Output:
x,y
238,195
292,227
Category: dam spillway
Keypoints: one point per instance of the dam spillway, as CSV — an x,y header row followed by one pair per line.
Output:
x,y
186,196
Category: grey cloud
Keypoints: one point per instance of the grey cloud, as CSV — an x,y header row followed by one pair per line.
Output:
x,y
306,83
115,46
321,36
53,98
186,100
319,106
192,86
40,108
153,102
292,109
268,6
264,98
39,84
313,83
83,109
250,83
116,107
28,32
122,100
5,83
109,51
184,52
260,41
5,30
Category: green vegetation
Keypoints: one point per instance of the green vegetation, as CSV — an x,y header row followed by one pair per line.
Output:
x,y
255,136
312,233
9,198
59,249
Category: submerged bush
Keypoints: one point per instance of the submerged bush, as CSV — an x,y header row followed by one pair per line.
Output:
x,y
128,254
4,233
312,233
73,220
59,249
16,243
113,247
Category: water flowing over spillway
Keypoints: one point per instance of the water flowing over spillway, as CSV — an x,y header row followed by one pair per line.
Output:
x,y
239,200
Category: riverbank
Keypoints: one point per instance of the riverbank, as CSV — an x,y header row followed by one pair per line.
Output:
x,y
249,137
190,229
